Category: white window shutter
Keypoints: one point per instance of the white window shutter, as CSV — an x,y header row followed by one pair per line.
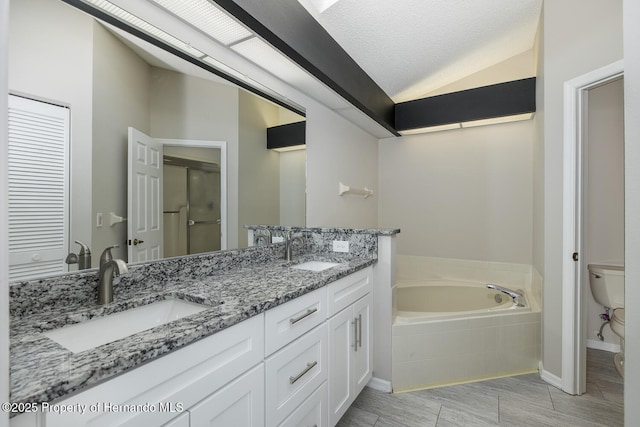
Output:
x,y
38,188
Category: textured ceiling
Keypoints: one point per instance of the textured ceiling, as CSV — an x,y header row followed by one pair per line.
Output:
x,y
413,47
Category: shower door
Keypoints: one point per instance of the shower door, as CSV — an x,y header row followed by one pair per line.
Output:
x,y
203,189
192,206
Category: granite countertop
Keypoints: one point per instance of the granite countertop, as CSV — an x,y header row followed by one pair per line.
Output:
x,y
42,370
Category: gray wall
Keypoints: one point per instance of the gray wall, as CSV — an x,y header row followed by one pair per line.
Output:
x,y
51,59
464,194
337,151
292,187
121,91
4,250
632,207
259,172
579,36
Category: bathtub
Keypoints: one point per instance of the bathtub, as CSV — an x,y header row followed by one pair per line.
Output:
x,y
420,300
451,331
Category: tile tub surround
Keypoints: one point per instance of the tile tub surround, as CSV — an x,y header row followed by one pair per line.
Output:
x,y
236,284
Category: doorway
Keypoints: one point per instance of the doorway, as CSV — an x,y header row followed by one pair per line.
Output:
x,y
574,265
145,204
191,204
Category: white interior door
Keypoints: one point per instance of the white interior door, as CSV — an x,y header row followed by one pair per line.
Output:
x,y
38,188
144,224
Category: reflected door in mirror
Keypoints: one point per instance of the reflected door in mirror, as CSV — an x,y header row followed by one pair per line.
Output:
x,y
145,198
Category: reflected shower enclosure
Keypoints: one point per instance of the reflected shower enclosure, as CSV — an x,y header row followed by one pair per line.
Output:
x,y
191,206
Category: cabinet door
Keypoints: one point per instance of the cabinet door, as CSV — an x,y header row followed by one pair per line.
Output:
x,y
341,335
362,355
238,404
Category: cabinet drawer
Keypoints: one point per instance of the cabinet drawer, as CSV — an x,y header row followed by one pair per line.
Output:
x,y
289,321
344,292
294,372
312,412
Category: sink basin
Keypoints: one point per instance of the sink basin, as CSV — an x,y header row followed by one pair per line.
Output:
x,y
315,265
102,330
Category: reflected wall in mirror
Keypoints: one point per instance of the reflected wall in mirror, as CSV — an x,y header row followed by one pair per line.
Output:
x,y
109,80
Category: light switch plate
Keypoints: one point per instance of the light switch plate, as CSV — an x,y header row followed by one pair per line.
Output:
x,y
340,246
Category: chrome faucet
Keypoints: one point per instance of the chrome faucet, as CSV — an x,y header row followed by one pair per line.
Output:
x,y
264,235
108,267
517,296
288,244
83,259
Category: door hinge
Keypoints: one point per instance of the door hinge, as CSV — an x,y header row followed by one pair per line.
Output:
x,y
575,256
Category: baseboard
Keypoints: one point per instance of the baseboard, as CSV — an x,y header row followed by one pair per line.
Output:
x,y
606,346
550,378
380,385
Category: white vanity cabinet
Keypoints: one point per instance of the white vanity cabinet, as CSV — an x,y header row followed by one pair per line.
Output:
x,y
175,383
350,357
299,364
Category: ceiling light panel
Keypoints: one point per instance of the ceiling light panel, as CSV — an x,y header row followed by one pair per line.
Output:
x,y
223,67
208,18
262,54
440,128
498,120
142,25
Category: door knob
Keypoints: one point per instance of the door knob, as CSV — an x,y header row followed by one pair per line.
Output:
x,y
136,242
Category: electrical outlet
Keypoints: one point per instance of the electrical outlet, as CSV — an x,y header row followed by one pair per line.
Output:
x,y
99,220
340,246
277,239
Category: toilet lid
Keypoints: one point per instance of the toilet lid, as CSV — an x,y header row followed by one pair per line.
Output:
x,y
618,315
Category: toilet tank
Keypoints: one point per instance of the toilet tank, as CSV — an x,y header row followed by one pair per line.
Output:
x,y
607,284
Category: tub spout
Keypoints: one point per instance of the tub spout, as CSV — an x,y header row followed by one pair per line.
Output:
x,y
517,296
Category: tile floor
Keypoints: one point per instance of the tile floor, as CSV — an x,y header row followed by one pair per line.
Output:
x,y
523,400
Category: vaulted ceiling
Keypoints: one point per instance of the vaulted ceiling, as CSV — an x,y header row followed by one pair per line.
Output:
x,y
361,58
411,48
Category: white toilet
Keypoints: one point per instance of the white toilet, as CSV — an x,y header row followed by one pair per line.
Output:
x,y
607,287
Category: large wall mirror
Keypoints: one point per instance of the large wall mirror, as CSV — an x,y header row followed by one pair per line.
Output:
x,y
215,160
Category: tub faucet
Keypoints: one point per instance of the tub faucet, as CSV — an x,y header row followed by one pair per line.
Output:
x,y
517,296
288,244
108,267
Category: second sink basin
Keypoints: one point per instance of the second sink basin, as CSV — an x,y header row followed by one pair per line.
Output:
x,y
102,330
315,265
